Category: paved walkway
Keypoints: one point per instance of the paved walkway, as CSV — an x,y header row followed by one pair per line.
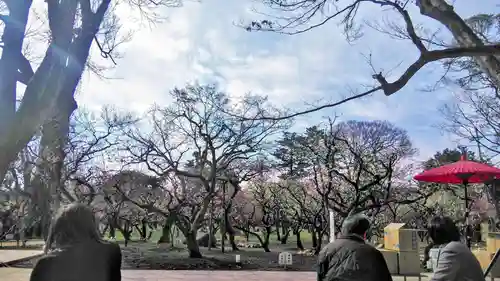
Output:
x,y
13,255
11,243
18,274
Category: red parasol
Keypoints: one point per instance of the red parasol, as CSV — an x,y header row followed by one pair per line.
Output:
x,y
460,172
465,172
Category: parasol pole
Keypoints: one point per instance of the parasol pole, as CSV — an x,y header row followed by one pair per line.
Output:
x,y
465,181
468,237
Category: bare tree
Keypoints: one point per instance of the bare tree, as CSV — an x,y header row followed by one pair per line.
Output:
x,y
195,141
74,26
474,115
90,139
256,216
349,167
297,16
306,209
129,198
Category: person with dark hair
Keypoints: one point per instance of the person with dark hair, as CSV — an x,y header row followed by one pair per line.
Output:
x,y
74,249
349,258
455,261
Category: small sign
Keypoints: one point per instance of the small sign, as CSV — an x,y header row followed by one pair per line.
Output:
x,y
237,257
285,258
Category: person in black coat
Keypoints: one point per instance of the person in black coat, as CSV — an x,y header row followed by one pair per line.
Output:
x,y
349,258
74,250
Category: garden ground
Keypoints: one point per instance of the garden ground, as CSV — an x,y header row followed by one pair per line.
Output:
x,y
144,255
175,264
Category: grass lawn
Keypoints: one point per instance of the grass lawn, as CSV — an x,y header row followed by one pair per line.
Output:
x,y
305,236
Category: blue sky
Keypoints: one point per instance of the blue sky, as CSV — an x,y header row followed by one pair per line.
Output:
x,y
201,42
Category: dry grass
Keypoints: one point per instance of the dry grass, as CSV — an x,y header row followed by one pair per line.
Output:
x,y
149,256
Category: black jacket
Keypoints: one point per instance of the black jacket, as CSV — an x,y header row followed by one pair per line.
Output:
x,y
349,258
91,261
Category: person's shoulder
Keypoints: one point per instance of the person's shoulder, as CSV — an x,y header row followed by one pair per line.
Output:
x,y
51,256
330,248
455,246
108,244
46,260
370,249
42,269
366,250
111,247
343,245
338,243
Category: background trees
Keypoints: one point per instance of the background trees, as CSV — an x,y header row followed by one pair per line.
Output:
x,y
198,146
74,26
350,167
197,166
193,167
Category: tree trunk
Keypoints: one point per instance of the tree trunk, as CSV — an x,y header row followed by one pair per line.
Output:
x,y
144,230
300,246
247,235
232,241
52,145
444,13
112,231
320,234
192,245
112,226
11,60
278,234
40,207
314,239
57,75
165,234
39,230
229,229
103,232
142,235
126,232
166,230
286,234
265,243
495,196
174,233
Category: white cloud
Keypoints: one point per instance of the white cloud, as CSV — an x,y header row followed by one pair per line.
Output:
x,y
200,42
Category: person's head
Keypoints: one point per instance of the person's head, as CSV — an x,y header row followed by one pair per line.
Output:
x,y
442,230
73,224
356,224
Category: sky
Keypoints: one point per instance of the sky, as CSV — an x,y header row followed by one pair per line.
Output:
x,y
201,41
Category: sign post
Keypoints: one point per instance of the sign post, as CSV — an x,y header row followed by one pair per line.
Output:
x,y
285,259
